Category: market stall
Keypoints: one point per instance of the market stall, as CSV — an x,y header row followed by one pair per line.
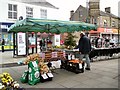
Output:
x,y
22,28
104,52
103,34
38,69
95,52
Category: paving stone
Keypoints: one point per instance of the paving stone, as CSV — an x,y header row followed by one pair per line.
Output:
x,y
103,74
107,80
48,84
81,85
80,77
109,74
68,83
91,82
105,85
93,75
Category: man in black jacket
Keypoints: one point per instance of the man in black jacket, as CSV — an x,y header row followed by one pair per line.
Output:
x,y
84,46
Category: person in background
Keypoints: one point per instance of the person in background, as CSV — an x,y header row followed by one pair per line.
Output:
x,y
107,41
41,44
44,44
3,43
84,46
96,42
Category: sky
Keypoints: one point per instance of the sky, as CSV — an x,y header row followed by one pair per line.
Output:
x,y
65,6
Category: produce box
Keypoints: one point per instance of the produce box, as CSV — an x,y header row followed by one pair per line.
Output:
x,y
46,77
76,66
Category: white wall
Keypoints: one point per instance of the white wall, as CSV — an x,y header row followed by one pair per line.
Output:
x,y
54,14
51,13
3,10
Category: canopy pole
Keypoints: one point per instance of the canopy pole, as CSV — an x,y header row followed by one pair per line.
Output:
x,y
27,41
36,41
14,44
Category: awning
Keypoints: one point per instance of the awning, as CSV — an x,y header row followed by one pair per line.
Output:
x,y
100,29
115,31
50,26
92,32
104,31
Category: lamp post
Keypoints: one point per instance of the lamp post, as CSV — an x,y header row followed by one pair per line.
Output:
x,y
87,6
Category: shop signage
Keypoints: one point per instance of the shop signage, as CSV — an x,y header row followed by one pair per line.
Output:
x,y
4,26
21,43
108,30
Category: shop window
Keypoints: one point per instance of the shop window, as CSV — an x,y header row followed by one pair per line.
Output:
x,y
43,13
29,12
12,11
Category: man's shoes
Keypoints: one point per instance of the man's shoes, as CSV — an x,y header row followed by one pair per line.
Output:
x,y
87,68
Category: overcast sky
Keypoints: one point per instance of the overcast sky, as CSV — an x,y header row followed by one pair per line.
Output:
x,y
65,6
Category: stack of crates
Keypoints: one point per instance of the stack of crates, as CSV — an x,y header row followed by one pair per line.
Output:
x,y
47,56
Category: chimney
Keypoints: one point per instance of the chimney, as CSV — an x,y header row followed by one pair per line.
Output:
x,y
71,13
107,9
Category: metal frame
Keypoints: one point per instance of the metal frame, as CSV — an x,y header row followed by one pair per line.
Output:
x,y
15,45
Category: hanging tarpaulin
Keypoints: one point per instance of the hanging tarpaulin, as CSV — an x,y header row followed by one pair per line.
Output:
x,y
56,40
50,26
32,40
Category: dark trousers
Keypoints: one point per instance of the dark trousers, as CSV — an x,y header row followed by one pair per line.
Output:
x,y
32,50
40,48
2,48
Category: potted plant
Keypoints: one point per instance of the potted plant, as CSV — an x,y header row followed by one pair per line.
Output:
x,y
70,41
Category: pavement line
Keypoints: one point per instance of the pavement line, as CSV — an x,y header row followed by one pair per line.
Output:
x,y
10,65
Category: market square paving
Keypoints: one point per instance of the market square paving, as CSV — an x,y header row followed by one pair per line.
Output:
x,y
103,74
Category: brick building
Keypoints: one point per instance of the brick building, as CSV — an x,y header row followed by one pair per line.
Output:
x,y
106,21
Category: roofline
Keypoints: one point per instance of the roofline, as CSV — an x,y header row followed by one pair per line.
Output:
x,y
37,1
99,14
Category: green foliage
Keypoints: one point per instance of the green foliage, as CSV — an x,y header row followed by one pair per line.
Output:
x,y
69,41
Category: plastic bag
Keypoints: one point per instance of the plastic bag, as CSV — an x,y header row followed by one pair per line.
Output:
x,y
34,73
24,78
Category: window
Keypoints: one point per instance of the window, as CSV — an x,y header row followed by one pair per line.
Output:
x,y
94,5
12,11
95,21
113,23
105,23
43,13
29,12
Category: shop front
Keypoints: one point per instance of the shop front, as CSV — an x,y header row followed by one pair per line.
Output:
x,y
104,33
8,37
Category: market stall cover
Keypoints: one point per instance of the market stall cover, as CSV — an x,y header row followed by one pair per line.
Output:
x,y
49,26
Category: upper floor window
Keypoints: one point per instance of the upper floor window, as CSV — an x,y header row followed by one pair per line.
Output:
x,y
43,13
95,21
105,23
29,12
113,23
12,11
